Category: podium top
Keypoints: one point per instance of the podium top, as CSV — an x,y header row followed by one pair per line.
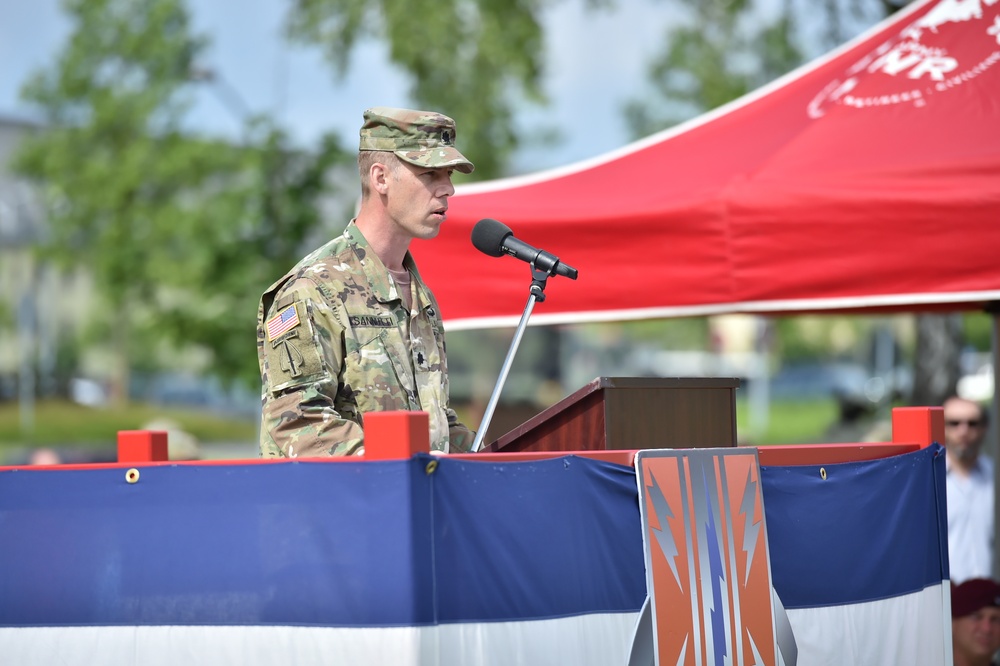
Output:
x,y
657,382
559,412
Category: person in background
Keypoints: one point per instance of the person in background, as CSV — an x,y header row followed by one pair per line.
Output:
x,y
975,621
181,445
970,491
352,328
45,456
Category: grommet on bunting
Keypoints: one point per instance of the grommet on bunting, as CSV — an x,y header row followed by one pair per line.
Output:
x,y
822,473
132,475
431,467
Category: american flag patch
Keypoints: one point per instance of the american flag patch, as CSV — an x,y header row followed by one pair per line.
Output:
x,y
284,321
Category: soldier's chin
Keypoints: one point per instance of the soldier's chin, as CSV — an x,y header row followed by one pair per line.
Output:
x,y
430,232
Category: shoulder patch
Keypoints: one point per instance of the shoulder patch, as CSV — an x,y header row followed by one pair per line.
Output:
x,y
293,354
281,323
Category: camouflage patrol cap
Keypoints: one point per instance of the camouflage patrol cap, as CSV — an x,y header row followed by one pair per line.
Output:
x,y
423,138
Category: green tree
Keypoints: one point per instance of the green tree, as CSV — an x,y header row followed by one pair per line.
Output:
x,y
978,330
727,48
724,50
284,214
180,233
476,60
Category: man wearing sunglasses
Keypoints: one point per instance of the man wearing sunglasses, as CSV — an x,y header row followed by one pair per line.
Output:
x,y
970,491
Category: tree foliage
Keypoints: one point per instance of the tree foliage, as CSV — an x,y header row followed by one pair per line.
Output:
x,y
180,233
475,60
722,51
283,215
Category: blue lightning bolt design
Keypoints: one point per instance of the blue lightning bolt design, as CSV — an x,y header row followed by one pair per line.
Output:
x,y
664,537
717,577
750,530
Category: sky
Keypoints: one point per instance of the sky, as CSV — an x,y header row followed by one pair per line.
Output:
x,y
596,60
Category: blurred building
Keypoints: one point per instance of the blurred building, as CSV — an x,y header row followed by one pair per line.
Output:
x,y
20,228
40,307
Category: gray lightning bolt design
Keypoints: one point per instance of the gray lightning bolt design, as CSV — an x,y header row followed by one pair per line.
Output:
x,y
757,659
664,537
683,655
750,530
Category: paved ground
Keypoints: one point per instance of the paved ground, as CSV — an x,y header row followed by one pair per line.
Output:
x,y
229,450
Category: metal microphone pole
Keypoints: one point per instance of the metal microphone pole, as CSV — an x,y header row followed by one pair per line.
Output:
x,y
536,294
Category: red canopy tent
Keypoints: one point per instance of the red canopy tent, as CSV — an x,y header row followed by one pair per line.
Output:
x,y
867,179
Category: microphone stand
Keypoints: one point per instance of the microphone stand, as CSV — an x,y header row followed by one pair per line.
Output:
x,y
536,293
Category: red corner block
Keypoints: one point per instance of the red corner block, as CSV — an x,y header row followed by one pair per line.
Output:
x,y
922,425
142,445
396,435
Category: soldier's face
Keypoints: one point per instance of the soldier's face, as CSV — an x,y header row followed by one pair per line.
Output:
x,y
418,199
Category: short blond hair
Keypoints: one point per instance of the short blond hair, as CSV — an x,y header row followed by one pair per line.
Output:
x,y
367,158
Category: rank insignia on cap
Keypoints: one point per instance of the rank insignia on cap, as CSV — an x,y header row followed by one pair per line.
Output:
x,y
282,322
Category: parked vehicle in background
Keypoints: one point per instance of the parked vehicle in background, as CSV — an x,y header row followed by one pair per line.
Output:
x,y
842,380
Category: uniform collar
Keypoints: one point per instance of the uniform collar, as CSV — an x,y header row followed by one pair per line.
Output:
x,y
377,274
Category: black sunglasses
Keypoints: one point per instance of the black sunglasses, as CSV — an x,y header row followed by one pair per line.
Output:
x,y
954,423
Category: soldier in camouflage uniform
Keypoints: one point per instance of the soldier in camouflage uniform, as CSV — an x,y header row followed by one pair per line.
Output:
x,y
352,328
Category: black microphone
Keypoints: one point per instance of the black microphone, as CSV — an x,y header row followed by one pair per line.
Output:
x,y
496,239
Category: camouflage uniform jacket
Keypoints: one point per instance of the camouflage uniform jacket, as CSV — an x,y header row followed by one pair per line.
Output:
x,y
335,340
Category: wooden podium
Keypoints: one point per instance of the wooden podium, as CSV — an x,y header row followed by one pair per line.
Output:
x,y
632,413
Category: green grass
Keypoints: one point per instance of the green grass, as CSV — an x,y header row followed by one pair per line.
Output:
x,y
789,422
59,423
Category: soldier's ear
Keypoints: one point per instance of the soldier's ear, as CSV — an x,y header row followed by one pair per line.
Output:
x,y
378,177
